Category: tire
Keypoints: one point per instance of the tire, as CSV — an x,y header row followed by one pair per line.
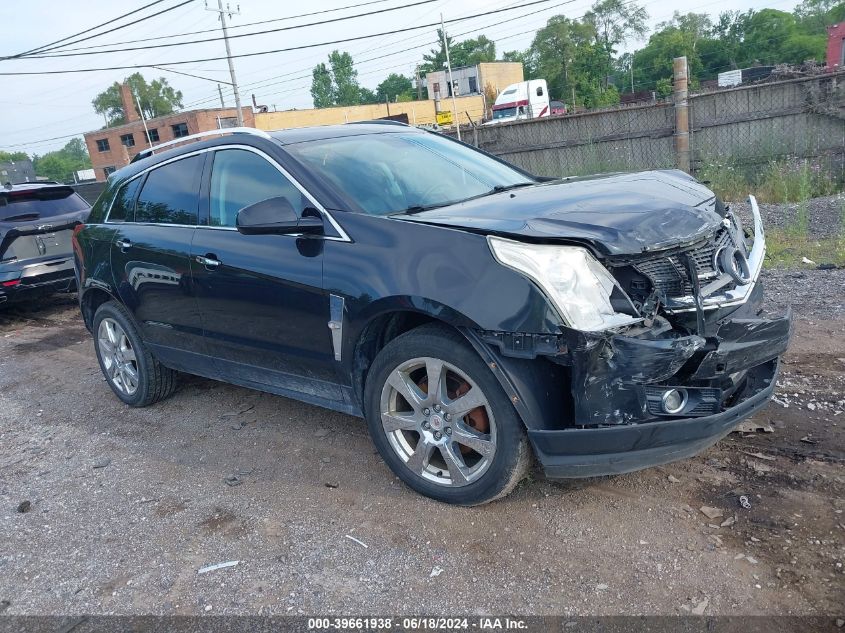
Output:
x,y
133,374
427,437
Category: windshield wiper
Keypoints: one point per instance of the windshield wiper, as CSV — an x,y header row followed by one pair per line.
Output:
x,y
418,208
516,185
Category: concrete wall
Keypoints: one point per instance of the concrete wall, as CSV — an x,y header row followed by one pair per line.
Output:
x,y
419,113
119,155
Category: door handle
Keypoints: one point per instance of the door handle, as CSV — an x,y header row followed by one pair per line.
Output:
x,y
208,262
123,244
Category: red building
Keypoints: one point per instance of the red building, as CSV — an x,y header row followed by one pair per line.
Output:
x,y
836,46
113,147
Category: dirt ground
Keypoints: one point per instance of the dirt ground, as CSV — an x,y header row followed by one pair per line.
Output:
x,y
126,505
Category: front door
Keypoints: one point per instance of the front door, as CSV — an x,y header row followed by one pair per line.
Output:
x,y
150,258
264,312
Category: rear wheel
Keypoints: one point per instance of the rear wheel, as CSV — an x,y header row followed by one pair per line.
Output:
x,y
441,421
132,372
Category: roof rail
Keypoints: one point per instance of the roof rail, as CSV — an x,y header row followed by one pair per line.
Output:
x,y
378,122
149,151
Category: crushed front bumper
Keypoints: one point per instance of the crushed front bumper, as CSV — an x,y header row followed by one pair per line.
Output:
x,y
611,450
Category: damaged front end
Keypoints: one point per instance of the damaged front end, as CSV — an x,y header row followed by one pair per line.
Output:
x,y
695,357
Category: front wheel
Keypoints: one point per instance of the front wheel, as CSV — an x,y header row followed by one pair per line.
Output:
x,y
441,421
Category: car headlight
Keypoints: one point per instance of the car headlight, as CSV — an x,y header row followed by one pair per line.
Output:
x,y
581,289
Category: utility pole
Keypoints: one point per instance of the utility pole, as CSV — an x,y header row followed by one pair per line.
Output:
x,y
680,98
222,12
419,83
220,92
144,121
451,81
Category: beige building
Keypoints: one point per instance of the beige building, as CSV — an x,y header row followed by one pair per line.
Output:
x,y
113,147
468,80
418,112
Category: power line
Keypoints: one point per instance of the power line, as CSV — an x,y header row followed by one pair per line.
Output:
x,y
46,48
279,50
391,54
217,39
238,26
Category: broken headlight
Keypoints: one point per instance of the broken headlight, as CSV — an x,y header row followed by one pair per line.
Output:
x,y
583,291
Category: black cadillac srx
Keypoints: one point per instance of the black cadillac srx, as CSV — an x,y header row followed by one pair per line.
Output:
x,y
475,315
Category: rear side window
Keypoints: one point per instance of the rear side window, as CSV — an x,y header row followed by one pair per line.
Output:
x,y
170,194
240,178
40,203
123,207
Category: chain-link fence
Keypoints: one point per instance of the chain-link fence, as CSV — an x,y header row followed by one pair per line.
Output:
x,y
783,141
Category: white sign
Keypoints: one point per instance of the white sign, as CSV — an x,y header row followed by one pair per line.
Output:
x,y
85,174
730,78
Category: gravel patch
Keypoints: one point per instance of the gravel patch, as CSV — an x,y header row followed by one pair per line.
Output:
x,y
818,294
827,215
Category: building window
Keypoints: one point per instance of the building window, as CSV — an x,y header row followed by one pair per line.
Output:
x,y
473,85
180,130
128,140
108,170
103,145
152,135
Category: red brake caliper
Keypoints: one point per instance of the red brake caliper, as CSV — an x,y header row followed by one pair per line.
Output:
x,y
455,388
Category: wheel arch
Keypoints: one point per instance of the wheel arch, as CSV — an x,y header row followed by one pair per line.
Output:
x,y
90,299
538,389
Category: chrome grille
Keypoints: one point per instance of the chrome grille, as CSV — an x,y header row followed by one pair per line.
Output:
x,y
669,273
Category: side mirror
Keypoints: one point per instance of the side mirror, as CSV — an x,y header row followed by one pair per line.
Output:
x,y
275,215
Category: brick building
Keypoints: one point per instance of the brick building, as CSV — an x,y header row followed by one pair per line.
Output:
x,y
472,80
836,46
112,148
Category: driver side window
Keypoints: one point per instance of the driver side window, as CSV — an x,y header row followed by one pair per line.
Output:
x,y
240,178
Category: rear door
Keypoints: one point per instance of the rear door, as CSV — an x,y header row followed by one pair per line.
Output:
x,y
150,259
264,311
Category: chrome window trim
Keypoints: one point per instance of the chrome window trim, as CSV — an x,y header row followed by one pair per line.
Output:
x,y
344,237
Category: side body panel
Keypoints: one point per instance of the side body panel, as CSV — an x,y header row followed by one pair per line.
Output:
x,y
393,265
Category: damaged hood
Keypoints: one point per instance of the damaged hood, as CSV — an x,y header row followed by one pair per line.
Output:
x,y
618,214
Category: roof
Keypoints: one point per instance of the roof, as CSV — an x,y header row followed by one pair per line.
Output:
x,y
285,137
34,186
302,134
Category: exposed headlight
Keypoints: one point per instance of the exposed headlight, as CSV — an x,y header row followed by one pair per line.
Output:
x,y
578,286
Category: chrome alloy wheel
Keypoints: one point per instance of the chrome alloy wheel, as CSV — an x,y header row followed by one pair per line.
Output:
x,y
438,421
119,361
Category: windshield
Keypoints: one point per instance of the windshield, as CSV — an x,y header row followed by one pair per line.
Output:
x,y
504,113
391,173
40,203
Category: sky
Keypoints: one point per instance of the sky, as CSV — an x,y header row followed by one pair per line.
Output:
x,y
40,113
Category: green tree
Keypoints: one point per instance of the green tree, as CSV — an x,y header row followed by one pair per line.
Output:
x,y
6,157
347,92
814,15
473,51
157,98
368,96
61,164
394,88
322,91
336,84
615,22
